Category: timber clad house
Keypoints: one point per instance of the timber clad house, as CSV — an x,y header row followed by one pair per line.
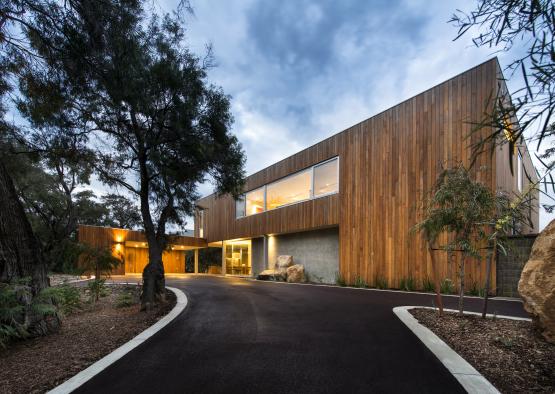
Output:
x,y
346,205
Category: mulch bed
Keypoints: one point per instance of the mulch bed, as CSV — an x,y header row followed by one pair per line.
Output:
x,y
39,364
509,353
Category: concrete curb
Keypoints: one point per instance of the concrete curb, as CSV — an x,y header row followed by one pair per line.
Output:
x,y
491,298
82,377
472,380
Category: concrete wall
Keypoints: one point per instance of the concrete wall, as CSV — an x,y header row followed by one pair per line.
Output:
x,y
317,250
257,256
509,267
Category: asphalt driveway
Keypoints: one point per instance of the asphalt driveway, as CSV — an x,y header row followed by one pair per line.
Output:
x,y
259,337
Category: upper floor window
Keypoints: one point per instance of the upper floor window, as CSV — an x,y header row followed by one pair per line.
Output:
x,y
240,206
294,188
326,178
319,180
201,223
255,201
519,177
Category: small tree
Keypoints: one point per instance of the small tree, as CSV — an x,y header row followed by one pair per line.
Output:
x,y
430,228
462,207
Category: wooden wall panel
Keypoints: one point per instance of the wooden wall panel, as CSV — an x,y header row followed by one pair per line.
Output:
x,y
387,164
136,258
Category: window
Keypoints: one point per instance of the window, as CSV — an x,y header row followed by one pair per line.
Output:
x,y
316,181
201,223
326,178
240,207
255,201
294,188
519,179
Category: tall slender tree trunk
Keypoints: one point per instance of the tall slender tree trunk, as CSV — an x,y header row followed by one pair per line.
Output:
x,y
489,263
21,257
20,252
437,284
461,284
154,282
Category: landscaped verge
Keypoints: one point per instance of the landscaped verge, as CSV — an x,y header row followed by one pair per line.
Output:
x,y
87,334
506,351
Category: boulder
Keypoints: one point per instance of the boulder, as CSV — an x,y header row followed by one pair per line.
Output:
x,y
282,263
295,273
537,282
266,275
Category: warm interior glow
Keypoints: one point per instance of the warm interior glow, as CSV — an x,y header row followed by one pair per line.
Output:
x,y
255,201
289,190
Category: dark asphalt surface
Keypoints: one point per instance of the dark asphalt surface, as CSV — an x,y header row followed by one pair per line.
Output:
x,y
240,336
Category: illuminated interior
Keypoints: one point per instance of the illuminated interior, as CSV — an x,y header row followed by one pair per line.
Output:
x,y
290,190
237,258
255,201
295,188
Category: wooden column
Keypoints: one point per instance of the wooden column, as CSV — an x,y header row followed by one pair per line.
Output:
x,y
223,258
196,261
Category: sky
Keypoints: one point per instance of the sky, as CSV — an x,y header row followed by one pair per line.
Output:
x,y
301,71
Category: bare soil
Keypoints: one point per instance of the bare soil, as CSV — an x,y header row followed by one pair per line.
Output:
x,y
86,335
509,353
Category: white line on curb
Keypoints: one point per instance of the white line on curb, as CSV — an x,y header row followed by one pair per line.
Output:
x,y
472,380
82,377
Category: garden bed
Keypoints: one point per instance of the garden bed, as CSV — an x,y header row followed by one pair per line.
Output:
x,y
509,353
87,334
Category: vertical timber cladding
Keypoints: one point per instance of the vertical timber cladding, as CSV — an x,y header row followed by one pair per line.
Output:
x,y
387,163
130,246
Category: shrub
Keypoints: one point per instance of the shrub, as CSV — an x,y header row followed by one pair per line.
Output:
x,y
66,297
340,280
381,282
17,304
447,286
10,312
428,285
125,299
407,284
360,282
96,288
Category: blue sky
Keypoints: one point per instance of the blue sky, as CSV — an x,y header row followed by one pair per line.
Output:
x,y
300,71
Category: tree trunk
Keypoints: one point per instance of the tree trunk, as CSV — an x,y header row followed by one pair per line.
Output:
x,y
21,257
461,284
437,284
489,262
20,252
154,282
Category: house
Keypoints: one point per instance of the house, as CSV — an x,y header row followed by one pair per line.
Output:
x,y
345,206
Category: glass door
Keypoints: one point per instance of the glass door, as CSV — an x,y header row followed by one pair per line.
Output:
x,y
237,258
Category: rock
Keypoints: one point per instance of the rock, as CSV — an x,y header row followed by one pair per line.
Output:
x,y
537,282
295,273
283,262
266,275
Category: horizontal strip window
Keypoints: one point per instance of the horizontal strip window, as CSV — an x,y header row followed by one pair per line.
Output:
x,y
317,181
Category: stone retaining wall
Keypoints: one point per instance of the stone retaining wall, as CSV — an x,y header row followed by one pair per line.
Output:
x,y
509,267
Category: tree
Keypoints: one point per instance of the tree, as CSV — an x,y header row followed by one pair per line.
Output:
x,y
430,228
462,207
123,213
20,253
156,127
528,26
